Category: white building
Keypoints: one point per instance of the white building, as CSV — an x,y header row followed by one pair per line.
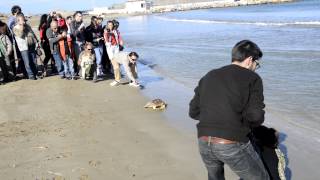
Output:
x,y
137,6
106,10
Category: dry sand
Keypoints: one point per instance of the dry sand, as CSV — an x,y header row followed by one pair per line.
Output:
x,y
54,128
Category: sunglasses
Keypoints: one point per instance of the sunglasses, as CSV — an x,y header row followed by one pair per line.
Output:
x,y
89,49
257,64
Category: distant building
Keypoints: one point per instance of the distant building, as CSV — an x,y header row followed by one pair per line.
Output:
x,y
99,10
106,10
137,6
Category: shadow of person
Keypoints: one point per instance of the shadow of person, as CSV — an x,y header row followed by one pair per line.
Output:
x,y
283,148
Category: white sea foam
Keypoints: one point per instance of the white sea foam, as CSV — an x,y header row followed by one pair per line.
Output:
x,y
301,23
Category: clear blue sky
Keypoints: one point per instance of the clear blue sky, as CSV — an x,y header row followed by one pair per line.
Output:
x,y
43,6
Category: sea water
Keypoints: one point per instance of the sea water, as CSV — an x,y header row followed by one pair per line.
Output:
x,y
181,47
184,46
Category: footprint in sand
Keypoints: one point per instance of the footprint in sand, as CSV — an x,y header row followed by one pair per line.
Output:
x,y
94,163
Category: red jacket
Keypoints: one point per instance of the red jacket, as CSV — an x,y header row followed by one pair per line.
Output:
x,y
112,37
66,48
42,31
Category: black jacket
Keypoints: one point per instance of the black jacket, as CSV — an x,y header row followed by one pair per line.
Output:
x,y
93,35
228,102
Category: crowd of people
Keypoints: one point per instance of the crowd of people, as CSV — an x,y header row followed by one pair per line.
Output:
x,y
73,49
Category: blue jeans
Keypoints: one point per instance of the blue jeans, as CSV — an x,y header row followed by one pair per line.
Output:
x,y
59,64
240,157
98,51
30,63
68,67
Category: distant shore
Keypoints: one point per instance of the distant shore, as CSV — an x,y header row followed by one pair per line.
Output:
x,y
162,9
212,4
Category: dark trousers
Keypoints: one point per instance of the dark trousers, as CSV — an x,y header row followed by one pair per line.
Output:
x,y
6,69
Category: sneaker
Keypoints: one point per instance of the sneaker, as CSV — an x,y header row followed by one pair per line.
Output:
x,y
134,84
114,83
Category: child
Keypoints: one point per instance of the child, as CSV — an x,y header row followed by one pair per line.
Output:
x,y
266,141
87,62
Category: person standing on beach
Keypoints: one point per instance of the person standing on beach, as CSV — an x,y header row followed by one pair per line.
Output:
x,y
15,10
112,39
67,55
17,65
54,36
43,26
94,34
228,103
129,62
27,43
78,33
5,50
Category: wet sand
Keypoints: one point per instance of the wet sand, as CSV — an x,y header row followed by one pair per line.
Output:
x,y
54,128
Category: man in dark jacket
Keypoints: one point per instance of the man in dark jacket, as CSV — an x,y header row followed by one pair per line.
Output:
x,y
77,27
94,34
228,102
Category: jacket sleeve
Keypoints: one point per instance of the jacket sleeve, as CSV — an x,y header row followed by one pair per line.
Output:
x,y
120,39
253,114
33,34
194,105
9,45
128,71
52,39
88,34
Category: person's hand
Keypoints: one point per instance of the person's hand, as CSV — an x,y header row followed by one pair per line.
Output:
x,y
59,36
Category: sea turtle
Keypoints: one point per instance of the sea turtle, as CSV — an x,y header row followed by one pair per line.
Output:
x,y
156,104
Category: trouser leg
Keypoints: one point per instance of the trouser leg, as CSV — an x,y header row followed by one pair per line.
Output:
x,y
116,69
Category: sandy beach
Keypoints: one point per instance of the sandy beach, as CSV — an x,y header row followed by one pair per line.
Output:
x,y
61,129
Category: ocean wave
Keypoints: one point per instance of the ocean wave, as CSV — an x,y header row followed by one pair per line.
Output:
x,y
298,23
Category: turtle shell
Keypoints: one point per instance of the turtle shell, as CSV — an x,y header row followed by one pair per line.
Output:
x,y
156,104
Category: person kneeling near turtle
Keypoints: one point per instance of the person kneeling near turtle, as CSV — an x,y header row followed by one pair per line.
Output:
x,y
129,62
87,62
